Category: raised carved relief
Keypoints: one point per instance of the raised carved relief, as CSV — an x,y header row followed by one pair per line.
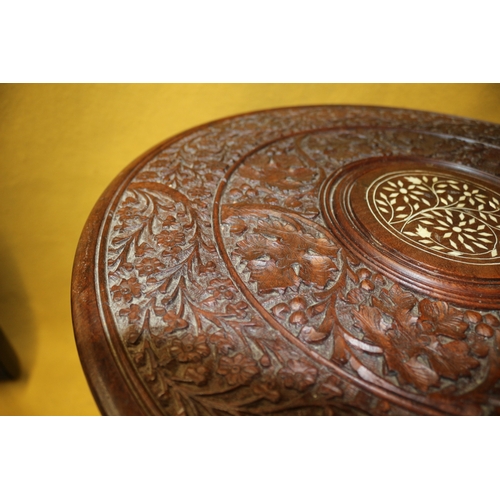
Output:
x,y
231,295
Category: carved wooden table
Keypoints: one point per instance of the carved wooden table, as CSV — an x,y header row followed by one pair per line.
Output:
x,y
314,260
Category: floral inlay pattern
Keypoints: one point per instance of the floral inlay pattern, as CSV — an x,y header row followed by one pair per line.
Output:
x,y
444,216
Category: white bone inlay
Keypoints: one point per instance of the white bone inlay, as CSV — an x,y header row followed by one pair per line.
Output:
x,y
440,214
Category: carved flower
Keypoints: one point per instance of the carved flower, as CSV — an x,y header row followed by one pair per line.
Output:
x,y
126,290
148,266
190,348
169,221
133,313
171,238
171,251
298,375
197,374
127,213
267,388
239,309
173,322
237,369
143,249
222,288
209,267
223,344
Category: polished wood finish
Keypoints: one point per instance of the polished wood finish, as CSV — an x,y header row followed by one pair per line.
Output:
x,y
314,260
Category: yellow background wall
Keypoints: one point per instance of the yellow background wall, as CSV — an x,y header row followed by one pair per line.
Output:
x,y
60,146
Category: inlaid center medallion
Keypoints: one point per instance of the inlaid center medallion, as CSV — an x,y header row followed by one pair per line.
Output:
x,y
431,225
439,213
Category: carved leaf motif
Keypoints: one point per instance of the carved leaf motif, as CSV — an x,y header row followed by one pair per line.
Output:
x,y
316,269
355,296
281,310
269,277
370,321
320,245
317,308
173,322
451,360
413,372
255,246
407,344
296,239
275,252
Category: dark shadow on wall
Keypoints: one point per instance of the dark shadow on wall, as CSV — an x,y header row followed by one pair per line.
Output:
x,y
16,317
9,361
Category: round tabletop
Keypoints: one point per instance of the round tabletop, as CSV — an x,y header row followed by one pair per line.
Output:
x,y
299,261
